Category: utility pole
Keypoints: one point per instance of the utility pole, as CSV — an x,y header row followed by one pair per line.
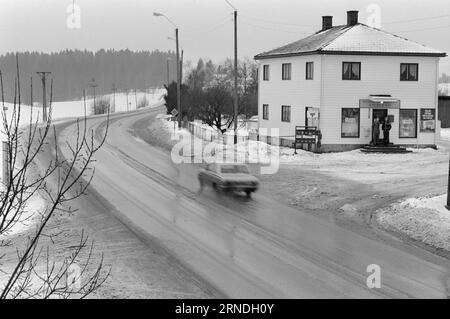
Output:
x,y
93,85
44,95
448,189
180,114
235,73
157,14
181,66
235,78
127,98
114,89
135,98
168,79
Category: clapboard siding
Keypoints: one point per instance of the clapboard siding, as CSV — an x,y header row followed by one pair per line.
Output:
x,y
297,92
379,75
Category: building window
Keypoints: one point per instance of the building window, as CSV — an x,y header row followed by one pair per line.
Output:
x,y
408,123
409,72
266,72
286,71
350,122
265,111
285,113
351,70
309,70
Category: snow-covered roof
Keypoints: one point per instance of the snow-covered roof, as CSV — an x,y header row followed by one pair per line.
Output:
x,y
352,39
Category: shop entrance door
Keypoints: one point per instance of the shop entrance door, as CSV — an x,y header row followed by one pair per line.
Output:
x,y
381,114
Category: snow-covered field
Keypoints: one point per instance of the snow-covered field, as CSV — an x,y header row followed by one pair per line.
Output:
x,y
27,218
70,109
424,219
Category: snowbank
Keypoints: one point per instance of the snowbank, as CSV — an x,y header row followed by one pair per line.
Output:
x,y
445,133
353,165
247,151
424,219
35,205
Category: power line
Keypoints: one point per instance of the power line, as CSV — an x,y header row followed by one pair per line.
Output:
x,y
273,29
226,18
424,29
418,19
278,22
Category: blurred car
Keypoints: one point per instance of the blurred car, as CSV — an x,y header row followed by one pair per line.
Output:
x,y
228,177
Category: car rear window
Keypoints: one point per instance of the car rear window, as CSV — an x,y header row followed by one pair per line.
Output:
x,y
233,169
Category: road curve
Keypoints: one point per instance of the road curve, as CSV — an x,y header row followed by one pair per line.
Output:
x,y
256,248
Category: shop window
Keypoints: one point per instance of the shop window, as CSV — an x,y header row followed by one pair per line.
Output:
x,y
408,123
409,72
309,70
285,113
351,71
265,111
350,122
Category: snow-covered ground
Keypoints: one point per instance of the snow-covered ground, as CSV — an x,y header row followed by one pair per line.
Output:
x,y
424,219
445,133
34,205
353,165
70,109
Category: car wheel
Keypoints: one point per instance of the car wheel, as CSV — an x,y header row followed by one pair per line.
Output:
x,y
214,185
248,193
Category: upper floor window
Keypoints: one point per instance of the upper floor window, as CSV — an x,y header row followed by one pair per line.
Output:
x,y
351,71
285,113
309,70
409,72
286,71
266,72
265,111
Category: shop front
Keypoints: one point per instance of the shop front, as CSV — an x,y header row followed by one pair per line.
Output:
x,y
382,109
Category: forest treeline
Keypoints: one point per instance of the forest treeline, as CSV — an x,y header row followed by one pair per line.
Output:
x,y
74,70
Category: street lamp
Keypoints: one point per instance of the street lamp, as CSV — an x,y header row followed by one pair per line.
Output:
x,y
235,72
157,14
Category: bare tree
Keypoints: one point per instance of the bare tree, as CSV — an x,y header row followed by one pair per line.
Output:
x,y
37,273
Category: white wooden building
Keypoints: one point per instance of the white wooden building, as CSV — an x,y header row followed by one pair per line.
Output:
x,y
342,77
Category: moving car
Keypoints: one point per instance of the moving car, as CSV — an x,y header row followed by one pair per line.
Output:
x,y
228,177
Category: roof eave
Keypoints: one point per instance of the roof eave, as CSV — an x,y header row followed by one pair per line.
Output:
x,y
284,55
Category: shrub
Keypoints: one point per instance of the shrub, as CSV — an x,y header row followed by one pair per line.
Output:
x,y
142,102
101,106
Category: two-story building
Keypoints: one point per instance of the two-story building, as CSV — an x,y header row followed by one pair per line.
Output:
x,y
343,77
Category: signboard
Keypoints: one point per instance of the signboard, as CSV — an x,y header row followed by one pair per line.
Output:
x,y
174,112
307,135
427,120
368,104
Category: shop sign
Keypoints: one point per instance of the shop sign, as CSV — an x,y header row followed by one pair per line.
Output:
x,y
369,104
427,120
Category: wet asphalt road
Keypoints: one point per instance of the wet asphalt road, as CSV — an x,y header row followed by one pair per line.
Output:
x,y
245,248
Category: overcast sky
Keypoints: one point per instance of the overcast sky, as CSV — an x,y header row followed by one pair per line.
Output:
x,y
206,28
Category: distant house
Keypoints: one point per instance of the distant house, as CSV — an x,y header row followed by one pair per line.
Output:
x,y
342,77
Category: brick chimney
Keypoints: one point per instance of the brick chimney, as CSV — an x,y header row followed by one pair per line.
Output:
x,y
327,22
352,17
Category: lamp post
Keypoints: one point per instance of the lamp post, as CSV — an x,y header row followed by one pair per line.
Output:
x,y
168,73
235,73
156,14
